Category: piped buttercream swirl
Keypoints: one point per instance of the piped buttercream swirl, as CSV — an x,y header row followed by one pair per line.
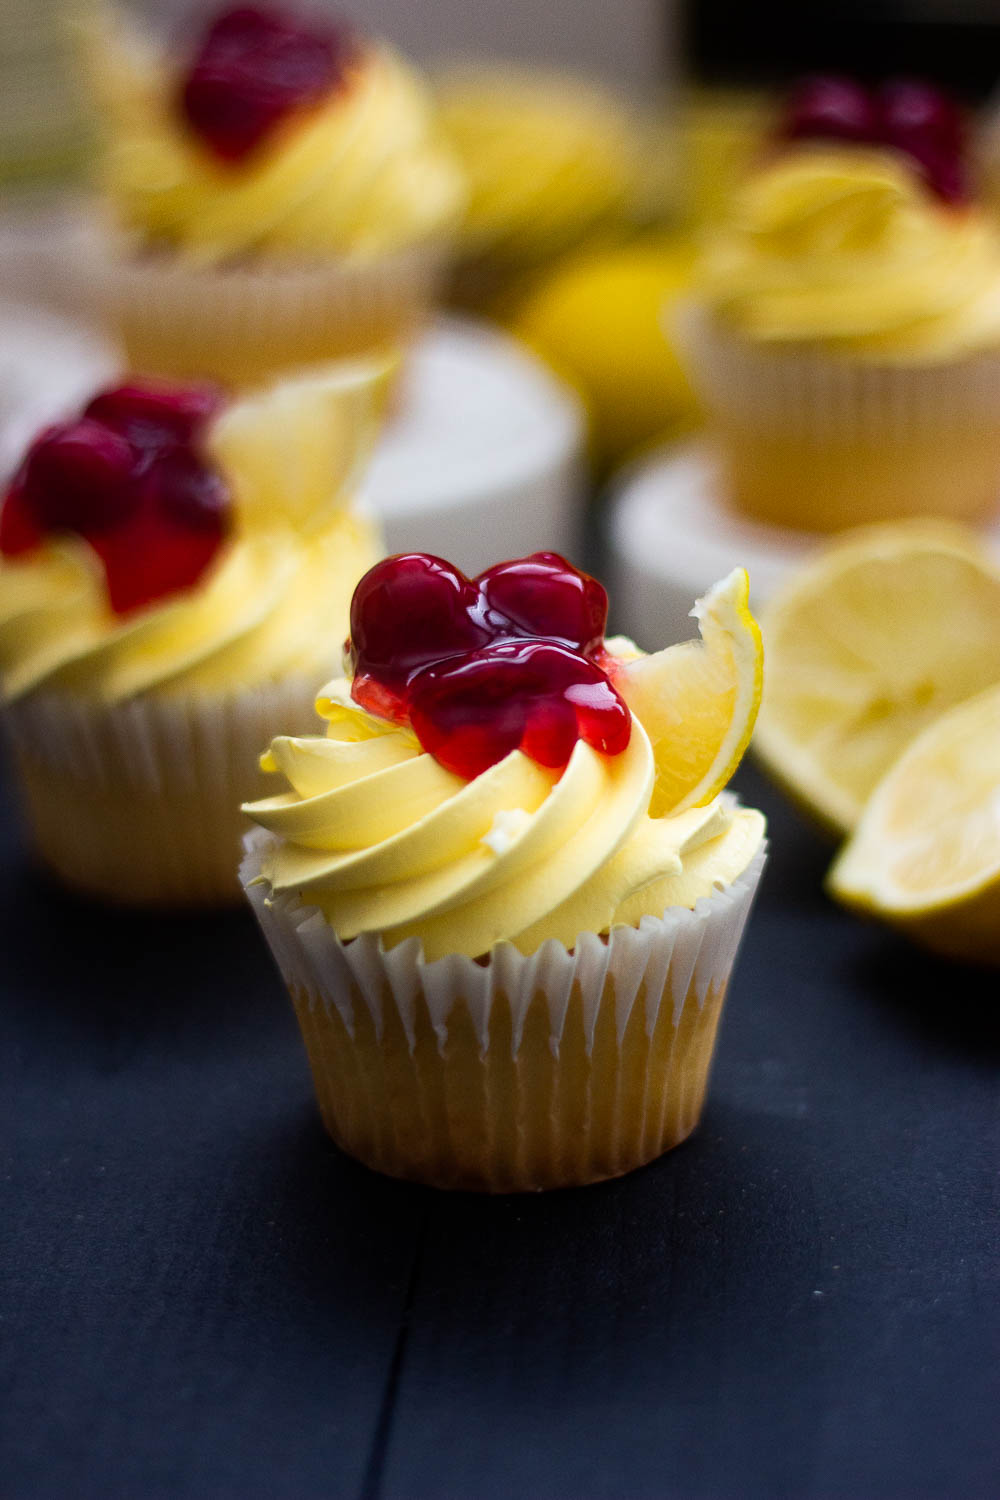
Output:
x,y
273,604
847,249
381,838
363,173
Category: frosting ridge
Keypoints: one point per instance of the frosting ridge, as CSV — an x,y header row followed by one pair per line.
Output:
x,y
846,248
381,838
363,172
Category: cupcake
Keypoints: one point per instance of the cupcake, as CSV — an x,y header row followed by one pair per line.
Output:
x,y
845,339
504,889
277,194
552,162
175,572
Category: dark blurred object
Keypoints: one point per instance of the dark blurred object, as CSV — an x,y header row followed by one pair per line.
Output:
x,y
955,42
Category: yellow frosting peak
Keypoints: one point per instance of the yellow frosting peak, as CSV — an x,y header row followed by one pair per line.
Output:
x,y
845,247
548,158
381,838
364,173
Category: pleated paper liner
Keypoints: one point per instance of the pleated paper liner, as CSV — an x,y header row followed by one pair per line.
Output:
x,y
511,1073
139,802
242,322
823,440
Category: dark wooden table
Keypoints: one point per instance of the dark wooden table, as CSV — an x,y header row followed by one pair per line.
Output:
x,y
202,1298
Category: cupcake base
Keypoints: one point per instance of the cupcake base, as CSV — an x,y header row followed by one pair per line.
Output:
x,y
242,323
822,441
510,1074
139,803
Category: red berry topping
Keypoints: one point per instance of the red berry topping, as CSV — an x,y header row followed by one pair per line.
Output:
x,y
411,610
544,595
480,667
911,110
905,115
153,414
928,126
830,108
151,558
77,477
19,530
254,66
534,695
129,479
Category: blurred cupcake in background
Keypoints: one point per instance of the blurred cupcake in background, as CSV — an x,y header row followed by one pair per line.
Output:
x,y
277,192
552,161
176,571
845,330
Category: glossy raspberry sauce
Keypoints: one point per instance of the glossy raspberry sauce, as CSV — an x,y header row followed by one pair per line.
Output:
x,y
129,477
903,114
478,667
253,67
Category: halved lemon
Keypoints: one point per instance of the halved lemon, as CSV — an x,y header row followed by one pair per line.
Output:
x,y
698,701
294,451
883,631
926,854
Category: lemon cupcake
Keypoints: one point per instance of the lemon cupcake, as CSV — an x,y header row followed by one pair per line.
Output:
x,y
504,889
845,338
175,572
552,161
277,194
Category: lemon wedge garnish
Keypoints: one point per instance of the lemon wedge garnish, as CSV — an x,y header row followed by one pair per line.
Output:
x,y
293,452
698,701
926,854
883,631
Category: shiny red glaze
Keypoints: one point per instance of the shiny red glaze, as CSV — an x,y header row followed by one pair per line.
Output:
x,y
534,695
911,110
78,477
830,108
19,530
152,413
254,66
128,478
411,610
545,595
151,557
905,115
187,493
511,659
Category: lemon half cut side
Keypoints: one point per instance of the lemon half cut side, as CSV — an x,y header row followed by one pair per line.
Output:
x,y
926,854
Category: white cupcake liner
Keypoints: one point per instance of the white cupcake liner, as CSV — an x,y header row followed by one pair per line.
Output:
x,y
817,438
829,395
509,1072
237,322
139,802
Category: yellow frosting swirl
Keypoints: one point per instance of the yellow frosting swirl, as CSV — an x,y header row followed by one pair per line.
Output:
x,y
272,605
847,249
364,173
548,159
381,838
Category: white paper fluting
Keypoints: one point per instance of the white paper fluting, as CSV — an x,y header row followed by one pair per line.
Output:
x,y
813,392
140,801
681,951
261,315
510,1072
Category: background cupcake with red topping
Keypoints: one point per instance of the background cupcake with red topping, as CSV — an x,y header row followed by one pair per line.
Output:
x,y
276,191
845,334
504,888
175,574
